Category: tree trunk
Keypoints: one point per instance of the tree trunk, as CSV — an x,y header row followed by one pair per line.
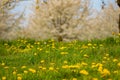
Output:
x,y
118,2
60,38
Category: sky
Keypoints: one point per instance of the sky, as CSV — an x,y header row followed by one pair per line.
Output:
x,y
27,4
23,6
96,4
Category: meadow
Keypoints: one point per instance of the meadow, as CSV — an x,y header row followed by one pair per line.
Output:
x,y
27,59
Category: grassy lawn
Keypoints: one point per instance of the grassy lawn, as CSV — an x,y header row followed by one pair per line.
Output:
x,y
26,59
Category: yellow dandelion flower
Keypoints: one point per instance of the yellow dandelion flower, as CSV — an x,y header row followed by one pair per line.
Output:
x,y
105,72
93,47
52,40
65,66
23,67
84,64
119,34
99,64
63,53
53,46
61,48
107,55
118,64
115,72
3,64
38,43
93,63
100,68
5,44
43,68
94,78
85,55
101,45
35,54
89,44
32,46
42,61
84,47
93,66
14,72
108,59
65,62
14,67
19,78
84,72
4,78
115,60
32,70
74,66
103,61
19,75
51,68
74,79
95,44
25,71
40,49
6,67
40,67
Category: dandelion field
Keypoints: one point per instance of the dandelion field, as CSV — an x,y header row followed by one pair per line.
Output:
x,y
26,59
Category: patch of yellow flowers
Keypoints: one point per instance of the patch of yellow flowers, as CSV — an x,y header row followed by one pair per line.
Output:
x,y
84,72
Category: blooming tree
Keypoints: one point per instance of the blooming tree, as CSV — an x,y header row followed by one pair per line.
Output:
x,y
8,23
60,19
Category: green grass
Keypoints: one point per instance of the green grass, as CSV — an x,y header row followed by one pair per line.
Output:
x,y
26,59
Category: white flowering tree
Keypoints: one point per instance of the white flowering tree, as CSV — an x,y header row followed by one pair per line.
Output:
x,y
59,19
118,2
8,23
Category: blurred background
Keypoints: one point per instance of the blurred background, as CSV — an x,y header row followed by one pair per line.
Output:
x,y
69,20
